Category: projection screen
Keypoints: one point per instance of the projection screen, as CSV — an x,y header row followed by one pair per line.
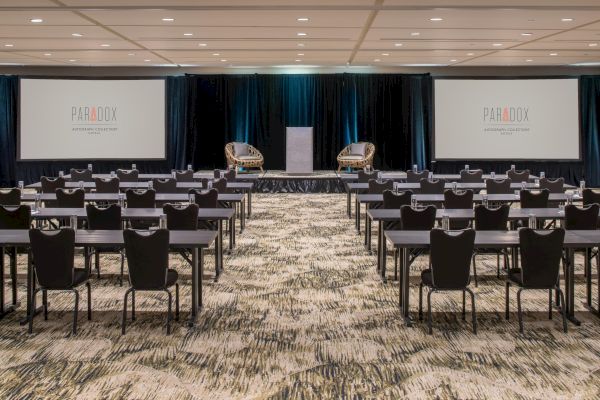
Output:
x,y
507,119
71,119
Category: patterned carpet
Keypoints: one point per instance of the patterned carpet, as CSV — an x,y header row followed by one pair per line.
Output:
x,y
299,313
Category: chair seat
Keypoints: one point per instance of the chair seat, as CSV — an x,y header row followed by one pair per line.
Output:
x,y
351,157
248,158
172,277
80,275
514,274
426,277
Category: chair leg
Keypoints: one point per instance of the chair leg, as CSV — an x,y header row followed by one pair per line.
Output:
x,y
498,265
45,303
177,302
133,304
169,312
519,311
474,271
564,312
550,304
75,311
122,268
124,320
474,312
32,311
463,308
429,316
395,262
89,298
13,274
97,261
421,301
506,297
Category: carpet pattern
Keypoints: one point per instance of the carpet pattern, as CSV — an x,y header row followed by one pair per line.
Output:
x,y
299,313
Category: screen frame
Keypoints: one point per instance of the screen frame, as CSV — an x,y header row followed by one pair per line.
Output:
x,y
89,78
515,78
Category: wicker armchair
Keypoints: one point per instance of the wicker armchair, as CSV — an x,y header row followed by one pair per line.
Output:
x,y
253,160
345,159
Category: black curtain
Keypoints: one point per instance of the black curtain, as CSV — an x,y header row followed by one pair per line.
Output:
x,y
8,128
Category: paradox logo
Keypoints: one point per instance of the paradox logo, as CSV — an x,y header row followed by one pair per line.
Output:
x,y
93,115
506,114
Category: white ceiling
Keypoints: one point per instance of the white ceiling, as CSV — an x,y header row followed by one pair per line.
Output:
x,y
265,32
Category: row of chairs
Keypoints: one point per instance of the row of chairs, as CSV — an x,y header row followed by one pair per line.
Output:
x,y
470,176
132,175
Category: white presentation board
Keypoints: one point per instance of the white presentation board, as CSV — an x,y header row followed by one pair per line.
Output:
x,y
68,119
506,119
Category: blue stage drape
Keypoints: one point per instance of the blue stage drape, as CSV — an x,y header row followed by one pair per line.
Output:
x,y
8,129
590,115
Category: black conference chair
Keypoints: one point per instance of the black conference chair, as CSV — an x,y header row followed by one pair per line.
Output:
x,y
491,219
11,197
108,218
217,174
365,177
206,199
518,176
14,218
541,253
591,197
450,270
230,175
140,199
168,185
538,199
184,176
498,186
379,187
434,186
53,263
148,263
125,175
182,219
420,219
393,200
49,185
81,175
553,186
462,199
221,185
108,185
66,198
415,177
471,176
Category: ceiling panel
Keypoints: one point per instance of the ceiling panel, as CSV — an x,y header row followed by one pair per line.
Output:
x,y
50,18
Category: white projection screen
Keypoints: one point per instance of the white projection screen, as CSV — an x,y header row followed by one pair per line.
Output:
x,y
506,119
81,119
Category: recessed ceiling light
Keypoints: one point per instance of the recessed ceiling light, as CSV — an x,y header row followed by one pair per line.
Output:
x,y
202,44
529,60
567,19
526,34
302,19
453,60
223,60
147,60
301,44
398,44
9,45
47,54
470,54
131,54
385,54
301,34
72,60
497,44
553,54
593,44
436,19
76,34
415,33
168,19
188,34
216,54
300,54
377,60
298,60
36,20
105,45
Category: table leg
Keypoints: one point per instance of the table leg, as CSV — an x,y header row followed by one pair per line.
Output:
x,y
406,287
242,216
249,203
219,250
379,253
383,259
232,233
348,201
5,309
357,208
30,288
195,280
200,276
570,288
400,280
367,226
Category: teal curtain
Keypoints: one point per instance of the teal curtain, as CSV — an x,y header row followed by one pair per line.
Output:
x,y
9,86
590,115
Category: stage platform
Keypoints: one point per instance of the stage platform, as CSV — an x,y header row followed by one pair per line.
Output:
x,y
277,181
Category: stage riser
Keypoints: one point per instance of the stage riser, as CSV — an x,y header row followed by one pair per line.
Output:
x,y
299,185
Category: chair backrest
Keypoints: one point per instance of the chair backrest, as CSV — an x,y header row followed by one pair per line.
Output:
x,y
70,198
434,186
541,254
584,218
49,185
140,198
217,174
221,185
15,217
518,176
396,200
415,177
379,187
206,199
128,175
108,185
458,199
78,175
590,197
491,219
451,254
108,218
365,177
471,176
168,185
230,175
498,186
421,219
11,197
147,258
53,257
184,176
555,186
181,218
530,199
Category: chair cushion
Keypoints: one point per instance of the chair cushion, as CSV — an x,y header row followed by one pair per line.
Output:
x,y
172,276
352,157
80,275
248,157
426,277
514,274
358,149
240,149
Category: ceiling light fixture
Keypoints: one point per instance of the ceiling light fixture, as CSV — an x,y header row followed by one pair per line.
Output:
x,y
298,60
553,54
216,54
567,19
168,19
302,19
453,60
385,54
436,19
470,54
36,20
202,44
223,60
398,44
47,54
147,60
300,44
526,34
105,45
593,44
497,44
377,60
301,34
9,45
415,33
76,34
131,54
188,34
529,60
300,54
72,60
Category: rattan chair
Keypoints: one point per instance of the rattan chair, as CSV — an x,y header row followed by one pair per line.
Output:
x,y
345,159
254,159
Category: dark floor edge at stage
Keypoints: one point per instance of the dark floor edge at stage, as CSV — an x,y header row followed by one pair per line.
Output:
x,y
318,182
